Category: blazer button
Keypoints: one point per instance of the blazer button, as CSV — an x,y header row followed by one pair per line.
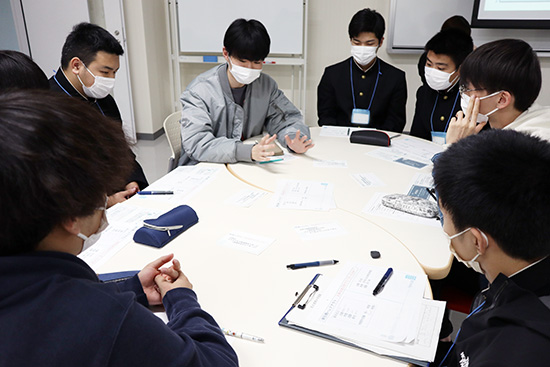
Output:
x,y
445,97
363,77
361,94
442,118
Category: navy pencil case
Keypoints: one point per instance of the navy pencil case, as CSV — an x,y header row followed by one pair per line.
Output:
x,y
159,232
370,137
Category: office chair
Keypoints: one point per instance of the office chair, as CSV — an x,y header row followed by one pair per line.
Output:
x,y
172,128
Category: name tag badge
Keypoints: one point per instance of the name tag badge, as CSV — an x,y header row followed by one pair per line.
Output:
x,y
439,137
360,117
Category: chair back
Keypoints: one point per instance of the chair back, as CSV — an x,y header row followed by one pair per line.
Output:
x,y
172,128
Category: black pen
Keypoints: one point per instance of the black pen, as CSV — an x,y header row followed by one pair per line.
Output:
x,y
432,193
382,282
155,192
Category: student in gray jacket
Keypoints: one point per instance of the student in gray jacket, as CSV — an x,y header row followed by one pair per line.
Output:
x,y
235,101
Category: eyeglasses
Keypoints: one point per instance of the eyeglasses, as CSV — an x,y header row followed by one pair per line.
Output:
x,y
463,89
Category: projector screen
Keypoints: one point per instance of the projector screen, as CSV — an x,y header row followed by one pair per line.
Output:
x,y
534,14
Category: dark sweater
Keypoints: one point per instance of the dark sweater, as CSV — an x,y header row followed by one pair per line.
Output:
x,y
513,326
55,312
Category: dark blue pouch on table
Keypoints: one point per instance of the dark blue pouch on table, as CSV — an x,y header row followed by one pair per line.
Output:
x,y
158,232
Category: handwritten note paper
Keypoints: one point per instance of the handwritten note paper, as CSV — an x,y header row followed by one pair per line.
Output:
x,y
320,230
247,242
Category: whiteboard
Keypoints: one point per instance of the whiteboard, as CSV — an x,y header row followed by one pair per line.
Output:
x,y
414,22
202,23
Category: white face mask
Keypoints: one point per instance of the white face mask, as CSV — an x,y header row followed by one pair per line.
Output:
x,y
100,89
473,264
465,100
363,54
437,79
91,240
244,75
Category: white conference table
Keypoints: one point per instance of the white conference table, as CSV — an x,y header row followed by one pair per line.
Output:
x,y
426,243
251,293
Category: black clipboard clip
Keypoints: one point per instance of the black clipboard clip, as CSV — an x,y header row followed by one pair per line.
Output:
x,y
306,290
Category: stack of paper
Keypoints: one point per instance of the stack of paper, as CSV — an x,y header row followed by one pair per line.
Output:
x,y
397,322
305,195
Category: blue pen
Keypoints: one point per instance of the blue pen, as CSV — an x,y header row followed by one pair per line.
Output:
x,y
311,264
155,192
382,282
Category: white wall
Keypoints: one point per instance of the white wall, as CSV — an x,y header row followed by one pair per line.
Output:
x,y
328,43
149,63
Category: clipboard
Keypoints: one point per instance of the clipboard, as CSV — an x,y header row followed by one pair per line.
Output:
x,y
296,304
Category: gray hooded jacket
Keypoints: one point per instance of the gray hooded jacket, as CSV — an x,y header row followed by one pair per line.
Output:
x,y
213,125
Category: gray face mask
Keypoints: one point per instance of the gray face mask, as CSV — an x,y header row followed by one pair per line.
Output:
x,y
473,264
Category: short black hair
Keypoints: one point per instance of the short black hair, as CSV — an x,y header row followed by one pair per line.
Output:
x,y
55,164
247,40
507,64
453,43
457,22
85,41
367,20
498,181
17,70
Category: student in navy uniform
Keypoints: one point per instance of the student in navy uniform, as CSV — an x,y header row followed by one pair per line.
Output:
x,y
363,81
454,22
54,175
89,62
438,100
494,191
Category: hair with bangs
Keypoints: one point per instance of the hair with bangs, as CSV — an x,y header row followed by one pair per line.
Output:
x,y
507,64
247,40
367,20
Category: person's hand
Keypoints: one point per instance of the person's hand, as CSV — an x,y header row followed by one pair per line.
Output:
x,y
147,279
121,196
171,278
263,150
465,123
132,185
299,145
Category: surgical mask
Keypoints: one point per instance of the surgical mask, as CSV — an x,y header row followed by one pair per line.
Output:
x,y
437,79
473,264
244,75
465,100
89,241
363,54
100,89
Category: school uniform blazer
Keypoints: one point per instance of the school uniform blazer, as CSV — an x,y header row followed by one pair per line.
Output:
x,y
335,100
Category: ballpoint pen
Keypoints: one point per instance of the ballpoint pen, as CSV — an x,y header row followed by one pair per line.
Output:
x,y
382,283
311,264
159,192
238,334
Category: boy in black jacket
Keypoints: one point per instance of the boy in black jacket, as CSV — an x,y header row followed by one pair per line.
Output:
x,y
494,191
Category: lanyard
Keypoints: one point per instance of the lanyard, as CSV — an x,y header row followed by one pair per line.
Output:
x,y
458,333
450,114
351,81
69,94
